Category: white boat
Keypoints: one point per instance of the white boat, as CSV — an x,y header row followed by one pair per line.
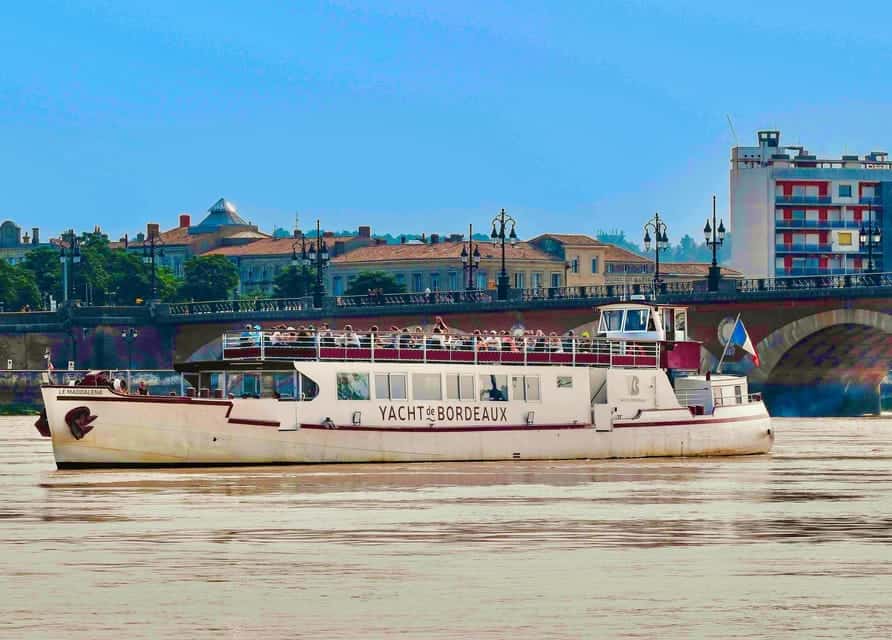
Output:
x,y
632,390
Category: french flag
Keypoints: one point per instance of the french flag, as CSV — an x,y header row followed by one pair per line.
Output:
x,y
740,338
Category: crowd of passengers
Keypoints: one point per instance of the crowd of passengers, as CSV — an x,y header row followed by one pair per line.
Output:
x,y
440,337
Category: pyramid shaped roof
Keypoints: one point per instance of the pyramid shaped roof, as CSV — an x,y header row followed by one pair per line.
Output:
x,y
222,213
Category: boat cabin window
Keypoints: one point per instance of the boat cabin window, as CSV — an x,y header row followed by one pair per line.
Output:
x,y
391,386
243,385
636,320
353,386
494,388
459,386
525,388
426,386
681,324
306,387
611,321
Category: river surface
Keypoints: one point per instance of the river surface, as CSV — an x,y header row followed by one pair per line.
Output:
x,y
795,544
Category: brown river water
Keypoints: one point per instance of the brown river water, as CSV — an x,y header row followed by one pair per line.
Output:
x,y
795,544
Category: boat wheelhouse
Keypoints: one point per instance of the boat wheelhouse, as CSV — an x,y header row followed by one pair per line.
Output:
x,y
631,389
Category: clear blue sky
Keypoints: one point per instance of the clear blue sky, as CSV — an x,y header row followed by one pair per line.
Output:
x,y
575,116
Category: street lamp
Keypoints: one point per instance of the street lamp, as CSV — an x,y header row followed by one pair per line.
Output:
x,y
301,260
318,256
715,237
498,236
148,254
71,253
128,335
470,260
871,237
661,242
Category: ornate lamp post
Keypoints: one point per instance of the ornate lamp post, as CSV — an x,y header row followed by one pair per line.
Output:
x,y
301,259
661,242
715,237
498,235
149,252
870,236
71,253
470,258
128,335
318,255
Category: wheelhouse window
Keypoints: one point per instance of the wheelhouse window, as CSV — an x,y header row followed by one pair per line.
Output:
x,y
459,386
525,388
494,388
391,386
636,320
426,386
353,386
611,321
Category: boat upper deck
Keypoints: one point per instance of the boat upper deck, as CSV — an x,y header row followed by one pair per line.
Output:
x,y
567,350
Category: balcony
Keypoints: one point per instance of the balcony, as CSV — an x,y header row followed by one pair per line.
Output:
x,y
795,247
816,224
797,199
817,271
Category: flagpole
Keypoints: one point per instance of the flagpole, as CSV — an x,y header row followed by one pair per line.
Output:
x,y
718,369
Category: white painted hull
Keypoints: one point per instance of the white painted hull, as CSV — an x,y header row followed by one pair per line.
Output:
x,y
131,430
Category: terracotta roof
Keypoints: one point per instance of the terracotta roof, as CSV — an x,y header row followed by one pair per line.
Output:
x,y
618,254
441,250
572,239
695,269
264,247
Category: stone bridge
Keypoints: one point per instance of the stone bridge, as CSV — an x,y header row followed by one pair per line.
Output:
x,y
823,351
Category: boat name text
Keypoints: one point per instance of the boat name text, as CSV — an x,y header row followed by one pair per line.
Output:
x,y
450,413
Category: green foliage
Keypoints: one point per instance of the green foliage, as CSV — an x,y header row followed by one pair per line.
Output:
x,y
294,282
374,280
44,265
208,278
18,288
687,249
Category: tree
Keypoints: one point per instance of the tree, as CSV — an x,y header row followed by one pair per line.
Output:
x,y
374,280
17,287
294,282
208,278
44,265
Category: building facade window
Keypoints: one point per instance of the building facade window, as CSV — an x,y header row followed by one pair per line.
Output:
x,y
536,280
435,282
481,280
574,265
519,280
453,281
555,278
401,279
337,286
845,191
594,265
417,282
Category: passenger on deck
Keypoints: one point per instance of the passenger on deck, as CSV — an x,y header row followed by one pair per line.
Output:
x,y
325,337
541,341
554,343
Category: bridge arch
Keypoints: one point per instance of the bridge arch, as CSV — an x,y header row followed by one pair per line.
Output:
x,y
829,363
778,343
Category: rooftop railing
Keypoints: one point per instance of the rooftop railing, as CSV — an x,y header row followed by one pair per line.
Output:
x,y
441,348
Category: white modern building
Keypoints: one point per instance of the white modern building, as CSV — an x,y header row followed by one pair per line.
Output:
x,y
793,213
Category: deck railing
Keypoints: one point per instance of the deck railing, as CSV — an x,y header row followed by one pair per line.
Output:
x,y
440,348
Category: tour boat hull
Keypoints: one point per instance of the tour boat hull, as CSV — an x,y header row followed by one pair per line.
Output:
x,y
97,427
